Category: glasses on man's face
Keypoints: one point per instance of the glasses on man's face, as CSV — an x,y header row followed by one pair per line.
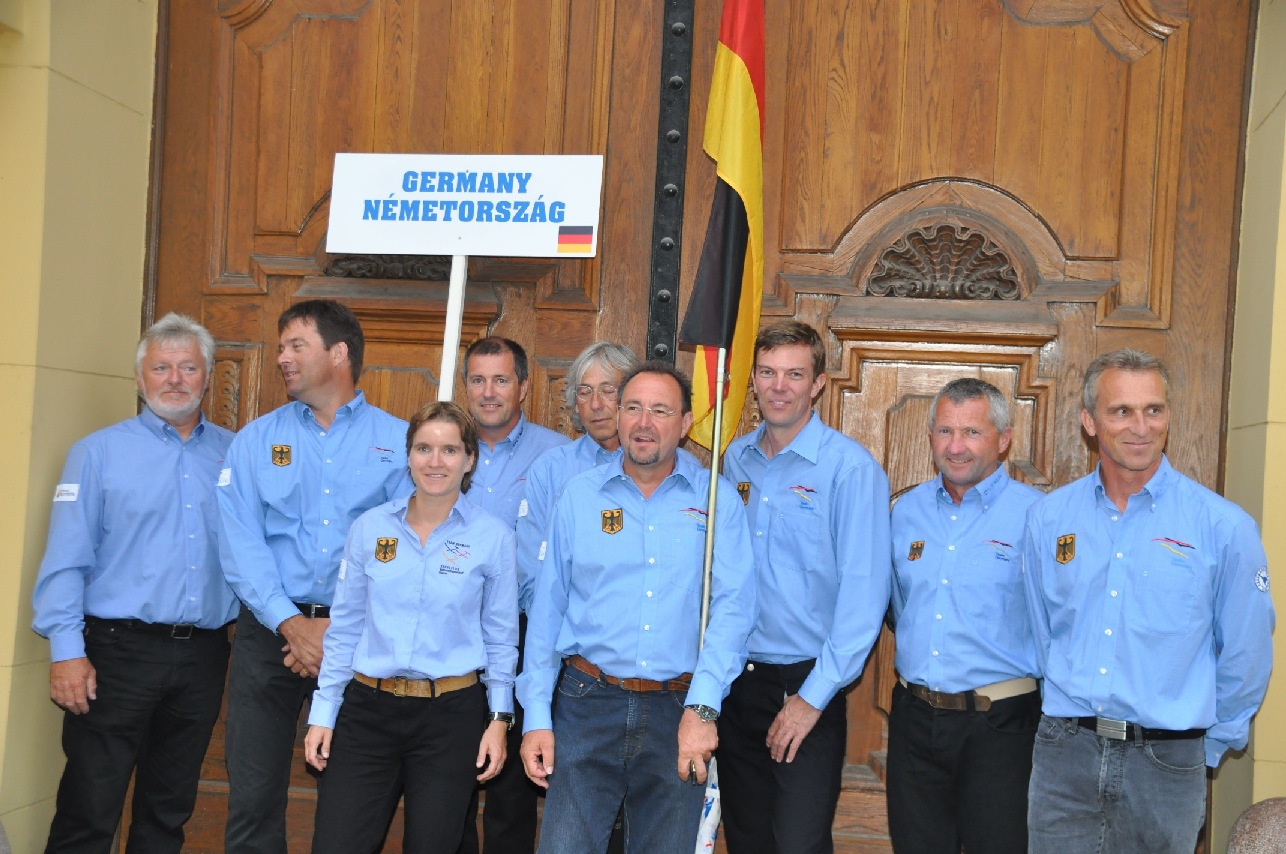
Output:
x,y
636,410
606,391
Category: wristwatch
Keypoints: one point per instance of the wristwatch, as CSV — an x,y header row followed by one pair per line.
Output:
x,y
706,713
507,717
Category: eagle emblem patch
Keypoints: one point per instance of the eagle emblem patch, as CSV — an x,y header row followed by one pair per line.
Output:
x,y
612,521
743,489
385,549
281,455
917,549
1066,548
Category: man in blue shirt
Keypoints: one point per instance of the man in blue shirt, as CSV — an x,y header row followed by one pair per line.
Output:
x,y
614,628
966,705
495,385
593,381
817,503
296,480
1150,607
134,606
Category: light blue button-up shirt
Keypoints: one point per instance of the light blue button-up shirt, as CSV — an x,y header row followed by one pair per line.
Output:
x,y
819,527
289,493
446,608
958,598
500,477
132,533
545,481
621,586
1159,615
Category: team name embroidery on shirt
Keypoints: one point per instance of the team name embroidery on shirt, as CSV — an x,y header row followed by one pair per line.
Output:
x,y
917,550
453,551
1169,544
1066,548
281,455
613,521
1003,550
386,454
385,549
743,489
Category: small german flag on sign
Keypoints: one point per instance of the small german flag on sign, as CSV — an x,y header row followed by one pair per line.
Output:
x,y
575,239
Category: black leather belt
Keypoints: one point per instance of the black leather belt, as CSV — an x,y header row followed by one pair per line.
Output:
x,y
310,610
1126,731
175,631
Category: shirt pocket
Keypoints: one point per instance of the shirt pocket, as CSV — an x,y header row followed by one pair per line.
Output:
x,y
1168,596
796,537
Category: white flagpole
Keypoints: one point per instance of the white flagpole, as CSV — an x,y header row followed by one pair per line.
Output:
x,y
451,335
716,453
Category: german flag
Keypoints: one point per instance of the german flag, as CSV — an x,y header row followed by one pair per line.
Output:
x,y
724,309
575,239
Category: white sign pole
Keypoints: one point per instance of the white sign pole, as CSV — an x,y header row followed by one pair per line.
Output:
x,y
451,335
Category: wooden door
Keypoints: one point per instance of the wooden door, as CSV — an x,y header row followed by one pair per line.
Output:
x,y
999,188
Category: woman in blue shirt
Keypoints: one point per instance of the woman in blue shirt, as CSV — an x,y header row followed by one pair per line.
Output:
x,y
427,597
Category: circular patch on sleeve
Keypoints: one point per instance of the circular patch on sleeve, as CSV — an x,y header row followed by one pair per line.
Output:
x,y
1261,579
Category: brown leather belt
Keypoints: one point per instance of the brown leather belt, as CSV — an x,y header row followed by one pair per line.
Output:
x,y
977,700
400,686
679,683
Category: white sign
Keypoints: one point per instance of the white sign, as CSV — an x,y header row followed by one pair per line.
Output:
x,y
466,204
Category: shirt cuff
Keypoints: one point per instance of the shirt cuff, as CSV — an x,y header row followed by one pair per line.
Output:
x,y
277,611
537,716
705,691
323,712
67,645
500,698
817,692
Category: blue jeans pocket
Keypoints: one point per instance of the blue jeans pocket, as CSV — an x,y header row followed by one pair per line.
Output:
x,y
1182,756
575,684
1054,730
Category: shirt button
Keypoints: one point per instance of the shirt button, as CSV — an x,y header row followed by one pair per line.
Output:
x,y
185,477
1118,554
944,581
647,628
935,652
937,616
1098,708
324,551
325,521
651,528
649,594
321,433
642,664
486,462
651,560
188,506
327,491
1102,670
1107,632
764,499
488,489
1114,593
328,462
191,536
1114,518
951,548
759,533
750,666
953,518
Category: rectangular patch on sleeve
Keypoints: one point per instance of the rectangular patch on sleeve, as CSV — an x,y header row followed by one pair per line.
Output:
x,y
225,476
66,492
541,556
343,568
522,508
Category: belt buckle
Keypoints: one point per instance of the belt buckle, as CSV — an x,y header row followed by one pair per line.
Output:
x,y
181,632
399,686
1108,728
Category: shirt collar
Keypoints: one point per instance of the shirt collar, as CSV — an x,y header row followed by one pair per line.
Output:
x,y
163,429
1155,487
806,443
463,507
353,407
986,491
515,435
686,468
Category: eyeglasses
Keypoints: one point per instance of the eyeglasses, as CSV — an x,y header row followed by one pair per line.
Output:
x,y
606,391
636,410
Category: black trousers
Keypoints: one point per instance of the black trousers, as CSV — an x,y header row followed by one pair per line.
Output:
x,y
264,699
158,700
509,821
777,807
960,778
385,748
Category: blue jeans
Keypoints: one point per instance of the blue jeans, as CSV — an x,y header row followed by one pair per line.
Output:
x,y
614,746
1095,794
